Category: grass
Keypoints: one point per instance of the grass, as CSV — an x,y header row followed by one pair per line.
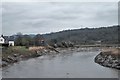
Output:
x,y
112,51
19,50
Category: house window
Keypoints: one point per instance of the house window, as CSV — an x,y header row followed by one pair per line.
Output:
x,y
1,40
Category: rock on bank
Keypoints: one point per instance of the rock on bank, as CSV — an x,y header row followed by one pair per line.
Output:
x,y
109,58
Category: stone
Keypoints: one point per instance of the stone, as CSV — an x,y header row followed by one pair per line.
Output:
x,y
107,60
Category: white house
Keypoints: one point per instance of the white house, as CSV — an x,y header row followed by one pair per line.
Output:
x,y
5,40
11,43
2,40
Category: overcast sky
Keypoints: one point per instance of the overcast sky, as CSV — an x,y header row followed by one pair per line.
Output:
x,y
46,17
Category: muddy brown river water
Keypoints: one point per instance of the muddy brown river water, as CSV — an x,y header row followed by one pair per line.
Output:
x,y
70,65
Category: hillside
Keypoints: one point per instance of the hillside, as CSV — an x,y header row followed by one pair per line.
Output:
x,y
104,35
108,35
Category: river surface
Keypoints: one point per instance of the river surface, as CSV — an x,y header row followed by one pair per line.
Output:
x,y
70,65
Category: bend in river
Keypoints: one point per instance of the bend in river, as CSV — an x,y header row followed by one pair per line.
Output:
x,y
66,65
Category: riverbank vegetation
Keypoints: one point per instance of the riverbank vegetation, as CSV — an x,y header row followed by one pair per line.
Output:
x,y
85,36
17,53
27,46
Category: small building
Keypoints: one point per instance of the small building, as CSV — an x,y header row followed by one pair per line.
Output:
x,y
11,43
6,41
98,43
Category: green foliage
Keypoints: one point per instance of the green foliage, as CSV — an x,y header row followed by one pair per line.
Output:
x,y
38,40
106,35
19,50
27,40
23,40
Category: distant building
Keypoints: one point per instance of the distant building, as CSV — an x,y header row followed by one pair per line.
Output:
x,y
11,43
6,41
98,43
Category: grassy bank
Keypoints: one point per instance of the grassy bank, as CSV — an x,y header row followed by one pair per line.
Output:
x,y
111,51
15,50
17,53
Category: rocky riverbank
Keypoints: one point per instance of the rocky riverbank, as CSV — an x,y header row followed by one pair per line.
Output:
x,y
15,54
109,58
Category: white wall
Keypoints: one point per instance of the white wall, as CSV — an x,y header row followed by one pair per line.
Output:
x,y
11,43
2,40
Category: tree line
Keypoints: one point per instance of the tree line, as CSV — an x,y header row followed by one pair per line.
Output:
x,y
106,35
27,40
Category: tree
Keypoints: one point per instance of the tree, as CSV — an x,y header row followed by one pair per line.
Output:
x,y
38,39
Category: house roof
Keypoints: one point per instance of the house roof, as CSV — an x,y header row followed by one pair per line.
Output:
x,y
5,37
1,37
11,38
8,38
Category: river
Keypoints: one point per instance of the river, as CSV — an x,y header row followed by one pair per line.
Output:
x,y
70,65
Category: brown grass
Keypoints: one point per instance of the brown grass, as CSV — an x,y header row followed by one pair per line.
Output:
x,y
36,48
113,51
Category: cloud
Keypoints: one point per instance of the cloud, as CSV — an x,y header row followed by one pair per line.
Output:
x,y
0,18
45,17
59,1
